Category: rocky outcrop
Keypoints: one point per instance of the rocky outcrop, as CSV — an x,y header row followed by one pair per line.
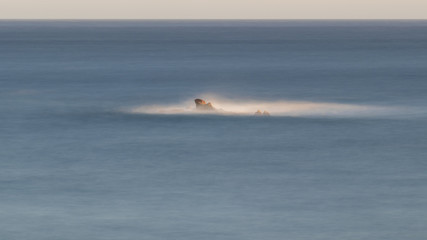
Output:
x,y
203,106
259,113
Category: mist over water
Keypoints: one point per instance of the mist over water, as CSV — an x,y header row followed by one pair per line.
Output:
x,y
99,137
232,107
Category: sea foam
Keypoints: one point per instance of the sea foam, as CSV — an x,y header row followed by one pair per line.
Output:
x,y
247,107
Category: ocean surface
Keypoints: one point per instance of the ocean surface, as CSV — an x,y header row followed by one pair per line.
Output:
x,y
99,138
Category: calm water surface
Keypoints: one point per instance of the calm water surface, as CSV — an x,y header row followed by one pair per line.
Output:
x,y
75,163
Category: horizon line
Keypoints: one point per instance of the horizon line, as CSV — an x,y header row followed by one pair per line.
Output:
x,y
217,19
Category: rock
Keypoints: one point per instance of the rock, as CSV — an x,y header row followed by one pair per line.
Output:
x,y
259,113
199,101
202,105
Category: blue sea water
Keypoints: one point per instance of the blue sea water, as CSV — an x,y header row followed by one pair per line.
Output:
x,y
96,141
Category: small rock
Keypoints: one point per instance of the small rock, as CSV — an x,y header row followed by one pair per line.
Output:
x,y
202,105
258,113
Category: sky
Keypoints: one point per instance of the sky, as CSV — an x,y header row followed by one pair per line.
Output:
x,y
213,9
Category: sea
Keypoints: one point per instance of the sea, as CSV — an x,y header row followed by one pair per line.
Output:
x,y
100,139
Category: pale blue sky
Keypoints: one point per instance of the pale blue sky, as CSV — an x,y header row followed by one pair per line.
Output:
x,y
213,9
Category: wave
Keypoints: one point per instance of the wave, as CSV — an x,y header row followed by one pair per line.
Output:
x,y
247,107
